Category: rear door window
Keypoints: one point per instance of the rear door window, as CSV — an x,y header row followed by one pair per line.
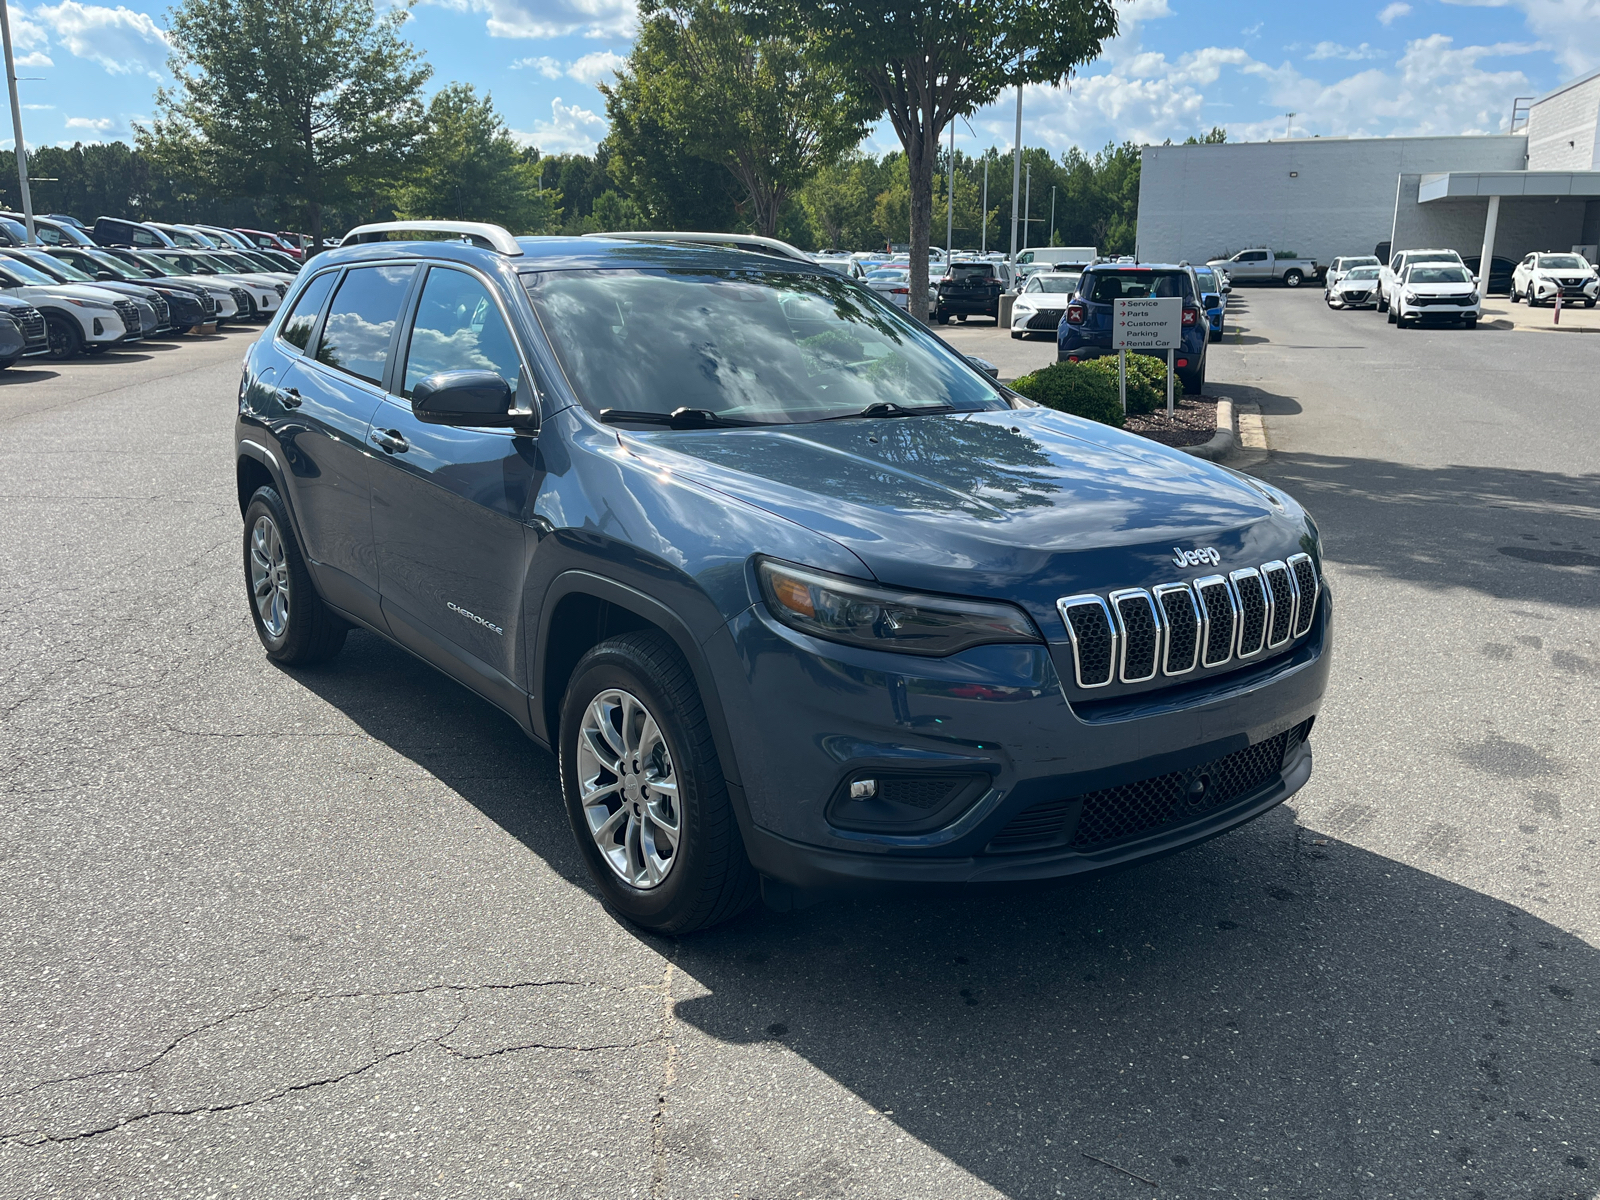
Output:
x,y
361,321
296,327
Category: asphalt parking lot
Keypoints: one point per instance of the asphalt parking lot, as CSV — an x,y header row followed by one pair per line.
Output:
x,y
325,932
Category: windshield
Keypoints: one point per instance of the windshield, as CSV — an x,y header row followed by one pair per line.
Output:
x,y
889,274
192,263
749,345
1063,283
1438,275
1363,273
155,265
27,273
1367,261
1136,284
971,273
57,269
111,263
1563,262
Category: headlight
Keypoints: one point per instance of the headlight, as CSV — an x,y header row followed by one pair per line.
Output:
x,y
92,305
879,618
1472,297
1411,297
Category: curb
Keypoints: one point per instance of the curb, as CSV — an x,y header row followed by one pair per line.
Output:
x,y
1222,441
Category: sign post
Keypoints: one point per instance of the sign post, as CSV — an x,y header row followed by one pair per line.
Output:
x,y
1146,323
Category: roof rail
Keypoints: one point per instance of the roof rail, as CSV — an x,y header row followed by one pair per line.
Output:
x,y
749,242
479,233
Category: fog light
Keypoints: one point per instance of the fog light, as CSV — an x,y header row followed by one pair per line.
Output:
x,y
863,789
98,328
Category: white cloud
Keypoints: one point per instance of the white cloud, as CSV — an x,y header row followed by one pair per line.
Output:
x,y
560,18
597,67
36,59
38,107
1393,13
1436,87
1572,27
550,68
570,130
119,39
96,124
1324,50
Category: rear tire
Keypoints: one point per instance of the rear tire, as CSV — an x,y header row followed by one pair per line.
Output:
x,y
296,629
628,774
1292,278
1016,336
1470,323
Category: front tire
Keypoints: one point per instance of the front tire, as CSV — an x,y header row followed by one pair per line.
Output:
x,y
1016,336
644,789
296,629
1292,278
66,339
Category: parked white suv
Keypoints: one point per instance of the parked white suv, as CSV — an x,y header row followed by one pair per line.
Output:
x,y
77,316
1540,277
1436,291
1389,275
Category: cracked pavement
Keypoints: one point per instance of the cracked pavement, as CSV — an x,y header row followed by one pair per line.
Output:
x,y
298,934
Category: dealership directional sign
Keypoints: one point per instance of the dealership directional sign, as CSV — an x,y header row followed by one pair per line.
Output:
x,y
1148,323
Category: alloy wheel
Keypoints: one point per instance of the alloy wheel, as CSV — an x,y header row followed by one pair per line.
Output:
x,y
269,576
628,789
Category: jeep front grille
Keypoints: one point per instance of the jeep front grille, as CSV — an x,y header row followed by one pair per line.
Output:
x,y
1132,634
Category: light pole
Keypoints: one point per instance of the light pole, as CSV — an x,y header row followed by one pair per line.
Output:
x,y
950,200
16,124
1288,124
1027,207
1052,240
986,203
1016,169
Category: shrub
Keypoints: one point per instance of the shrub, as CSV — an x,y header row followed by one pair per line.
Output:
x,y
1074,388
1147,381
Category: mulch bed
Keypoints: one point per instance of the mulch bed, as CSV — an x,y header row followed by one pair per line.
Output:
x,y
1194,420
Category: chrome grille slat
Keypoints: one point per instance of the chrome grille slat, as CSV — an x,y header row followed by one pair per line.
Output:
x,y
1255,611
1181,616
1139,628
1094,638
1280,591
1307,589
1219,613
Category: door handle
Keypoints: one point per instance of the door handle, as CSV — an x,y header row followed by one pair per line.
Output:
x,y
390,440
290,398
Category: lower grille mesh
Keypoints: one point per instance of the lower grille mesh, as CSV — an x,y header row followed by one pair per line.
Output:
x,y
1133,809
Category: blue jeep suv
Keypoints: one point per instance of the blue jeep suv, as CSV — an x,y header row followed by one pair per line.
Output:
x,y
798,597
1085,330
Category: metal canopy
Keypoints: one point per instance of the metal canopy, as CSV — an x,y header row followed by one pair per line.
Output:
x,y
1475,185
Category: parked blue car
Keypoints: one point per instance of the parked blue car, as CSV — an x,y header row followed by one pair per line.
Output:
x,y
1085,330
799,598
1214,296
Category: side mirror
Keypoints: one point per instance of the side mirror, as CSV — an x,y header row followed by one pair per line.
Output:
x,y
463,398
1211,299
104,276
984,365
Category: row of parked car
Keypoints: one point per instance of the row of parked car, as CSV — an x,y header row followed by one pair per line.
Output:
x,y
1416,287
73,289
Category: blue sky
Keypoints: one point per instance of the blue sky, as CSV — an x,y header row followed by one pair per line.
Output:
x,y
1372,67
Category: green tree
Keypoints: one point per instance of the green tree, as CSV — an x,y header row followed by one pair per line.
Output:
x,y
922,63
1216,137
656,164
311,101
759,106
838,202
466,166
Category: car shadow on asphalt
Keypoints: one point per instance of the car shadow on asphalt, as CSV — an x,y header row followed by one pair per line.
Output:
x,y
1513,534
16,375
1276,1009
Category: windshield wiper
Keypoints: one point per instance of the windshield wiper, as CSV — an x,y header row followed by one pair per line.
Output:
x,y
678,418
888,408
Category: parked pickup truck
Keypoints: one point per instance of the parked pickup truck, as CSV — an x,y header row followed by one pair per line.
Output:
x,y
1264,266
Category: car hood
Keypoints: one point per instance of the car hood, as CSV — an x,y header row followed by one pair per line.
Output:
x,y
61,291
1027,505
1358,285
1441,289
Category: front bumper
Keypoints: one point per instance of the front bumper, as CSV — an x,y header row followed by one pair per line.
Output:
x,y
807,717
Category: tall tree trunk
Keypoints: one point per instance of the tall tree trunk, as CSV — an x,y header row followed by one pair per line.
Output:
x,y
316,230
919,164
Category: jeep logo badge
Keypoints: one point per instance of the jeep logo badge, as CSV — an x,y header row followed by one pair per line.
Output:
x,y
1193,558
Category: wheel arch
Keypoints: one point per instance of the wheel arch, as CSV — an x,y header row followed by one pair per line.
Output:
x,y
581,610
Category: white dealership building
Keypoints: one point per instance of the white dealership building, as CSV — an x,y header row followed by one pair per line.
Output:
x,y
1537,188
